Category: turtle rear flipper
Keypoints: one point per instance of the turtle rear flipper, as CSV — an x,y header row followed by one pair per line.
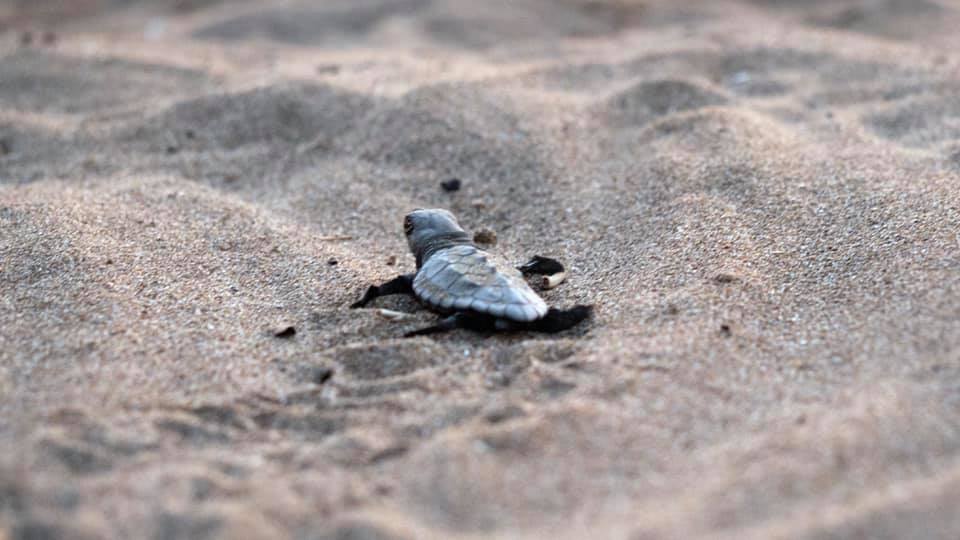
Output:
x,y
558,320
470,320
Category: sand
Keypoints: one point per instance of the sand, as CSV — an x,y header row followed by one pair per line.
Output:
x,y
760,199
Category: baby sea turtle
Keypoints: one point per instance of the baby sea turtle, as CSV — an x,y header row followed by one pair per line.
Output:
x,y
464,283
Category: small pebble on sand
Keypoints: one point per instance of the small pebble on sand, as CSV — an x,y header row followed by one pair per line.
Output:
x,y
485,236
451,185
285,332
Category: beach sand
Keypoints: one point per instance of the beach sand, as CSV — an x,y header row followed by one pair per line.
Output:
x,y
760,199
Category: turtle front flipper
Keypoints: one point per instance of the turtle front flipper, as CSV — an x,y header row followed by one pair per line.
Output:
x,y
552,271
541,265
398,285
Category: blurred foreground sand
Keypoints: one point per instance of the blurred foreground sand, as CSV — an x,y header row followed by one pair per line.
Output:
x,y
761,199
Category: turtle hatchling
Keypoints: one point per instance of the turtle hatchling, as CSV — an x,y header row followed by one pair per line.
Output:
x,y
467,285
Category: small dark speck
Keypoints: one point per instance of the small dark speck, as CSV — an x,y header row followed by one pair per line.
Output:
x,y
109,261
724,278
328,69
829,114
5,147
388,453
333,262
26,38
189,134
725,330
172,150
287,332
451,185
321,375
556,387
801,420
503,414
49,38
391,260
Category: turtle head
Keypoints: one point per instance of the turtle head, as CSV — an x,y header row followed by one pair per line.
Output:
x,y
430,230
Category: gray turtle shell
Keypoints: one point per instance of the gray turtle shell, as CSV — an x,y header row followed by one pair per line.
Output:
x,y
464,277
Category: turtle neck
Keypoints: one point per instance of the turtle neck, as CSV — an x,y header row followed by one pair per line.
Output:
x,y
439,242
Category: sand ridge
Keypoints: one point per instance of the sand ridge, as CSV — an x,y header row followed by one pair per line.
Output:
x,y
760,198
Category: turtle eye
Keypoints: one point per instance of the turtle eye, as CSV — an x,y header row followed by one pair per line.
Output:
x,y
407,225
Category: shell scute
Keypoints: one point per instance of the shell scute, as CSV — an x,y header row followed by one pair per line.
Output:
x,y
464,277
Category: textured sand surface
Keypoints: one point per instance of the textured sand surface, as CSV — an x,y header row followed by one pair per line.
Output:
x,y
761,198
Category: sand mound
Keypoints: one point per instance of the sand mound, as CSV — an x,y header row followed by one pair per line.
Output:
x,y
459,23
275,115
42,82
648,100
447,131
